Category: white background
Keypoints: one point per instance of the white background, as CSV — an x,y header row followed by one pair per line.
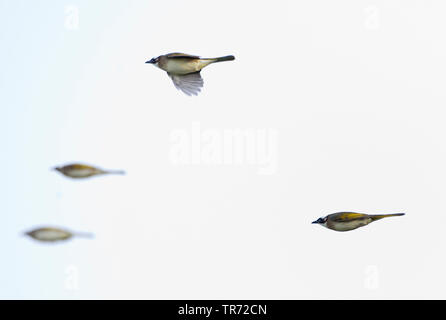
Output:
x,y
354,89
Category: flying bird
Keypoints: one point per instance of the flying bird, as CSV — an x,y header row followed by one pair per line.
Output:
x,y
346,221
51,234
184,69
79,171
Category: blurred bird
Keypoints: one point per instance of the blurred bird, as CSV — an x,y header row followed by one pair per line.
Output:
x,y
77,171
50,234
346,221
184,69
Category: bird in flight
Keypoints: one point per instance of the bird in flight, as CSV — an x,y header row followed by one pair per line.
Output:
x,y
346,221
79,171
51,234
184,69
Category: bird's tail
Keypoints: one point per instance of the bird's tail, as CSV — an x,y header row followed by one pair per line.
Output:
x,y
220,59
122,172
380,216
87,235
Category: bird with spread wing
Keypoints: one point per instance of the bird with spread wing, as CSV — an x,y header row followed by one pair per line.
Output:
x,y
184,69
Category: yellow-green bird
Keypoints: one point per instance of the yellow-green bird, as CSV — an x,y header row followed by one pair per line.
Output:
x,y
79,171
346,221
52,234
184,69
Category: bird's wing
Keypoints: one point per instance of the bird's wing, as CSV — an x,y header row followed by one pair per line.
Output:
x,y
190,84
177,55
347,216
79,166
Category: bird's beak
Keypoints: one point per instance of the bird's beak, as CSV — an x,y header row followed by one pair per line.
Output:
x,y
315,221
151,61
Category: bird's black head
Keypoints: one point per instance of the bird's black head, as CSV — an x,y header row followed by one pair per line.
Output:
x,y
320,220
153,60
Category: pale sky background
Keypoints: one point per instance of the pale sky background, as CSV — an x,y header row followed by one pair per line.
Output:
x,y
355,91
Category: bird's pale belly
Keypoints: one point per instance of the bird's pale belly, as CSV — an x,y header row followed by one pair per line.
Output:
x,y
80,173
350,225
51,235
